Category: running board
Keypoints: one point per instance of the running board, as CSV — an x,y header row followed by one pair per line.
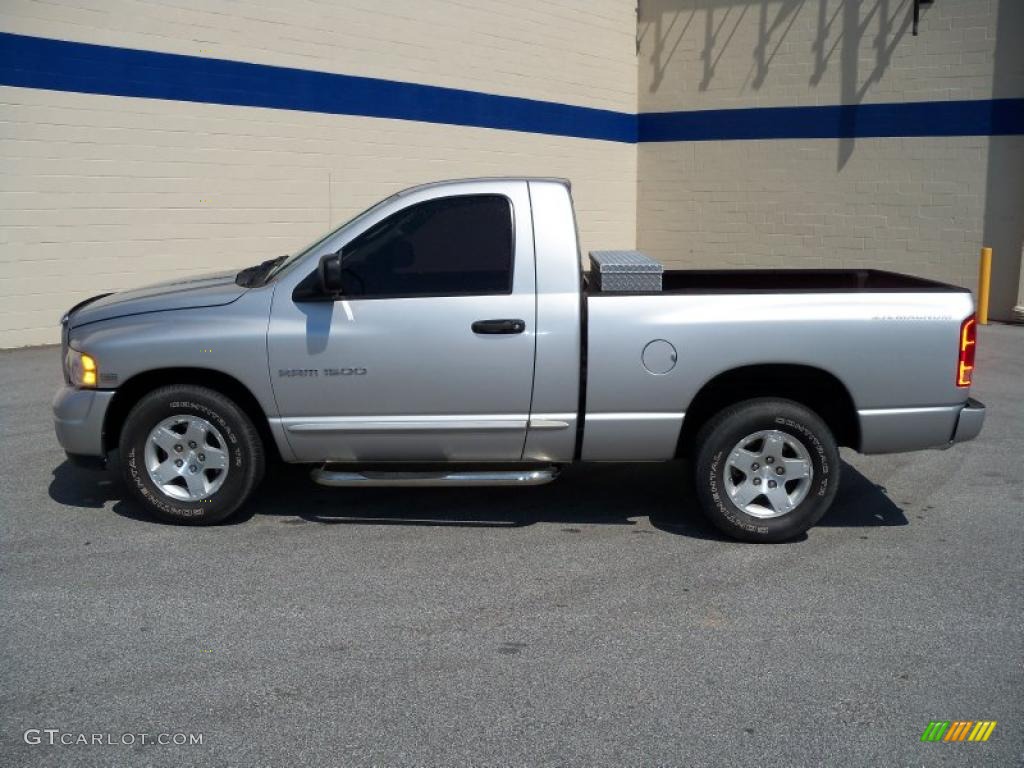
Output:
x,y
366,479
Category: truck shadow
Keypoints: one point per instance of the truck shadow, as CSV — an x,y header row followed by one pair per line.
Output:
x,y
589,494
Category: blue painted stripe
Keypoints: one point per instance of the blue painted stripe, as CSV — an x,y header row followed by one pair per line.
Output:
x,y
34,62
988,117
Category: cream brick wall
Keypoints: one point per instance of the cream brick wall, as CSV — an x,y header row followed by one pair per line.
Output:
x,y
571,51
101,193
919,205
781,203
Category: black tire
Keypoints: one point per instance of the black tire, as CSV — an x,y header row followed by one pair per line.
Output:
x,y
725,430
245,453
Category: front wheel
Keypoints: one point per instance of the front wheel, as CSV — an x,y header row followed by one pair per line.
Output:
x,y
190,455
767,469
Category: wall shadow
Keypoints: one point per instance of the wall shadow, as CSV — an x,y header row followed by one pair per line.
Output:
x,y
589,494
771,34
855,27
842,33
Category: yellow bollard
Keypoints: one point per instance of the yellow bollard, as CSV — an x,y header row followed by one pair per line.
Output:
x,y
984,282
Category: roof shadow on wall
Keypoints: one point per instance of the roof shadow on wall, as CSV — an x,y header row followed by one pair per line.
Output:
x,y
855,28
842,30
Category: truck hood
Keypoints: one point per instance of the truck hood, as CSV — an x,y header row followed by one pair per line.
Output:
x,y
210,290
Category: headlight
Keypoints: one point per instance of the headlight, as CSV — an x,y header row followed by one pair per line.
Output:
x,y
81,368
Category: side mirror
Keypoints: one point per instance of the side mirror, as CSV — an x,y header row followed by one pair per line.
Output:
x,y
329,274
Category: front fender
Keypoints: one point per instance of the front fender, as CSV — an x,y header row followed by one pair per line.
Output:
x,y
230,339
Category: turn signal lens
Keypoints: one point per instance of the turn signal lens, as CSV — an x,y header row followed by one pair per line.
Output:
x,y
88,371
82,369
968,344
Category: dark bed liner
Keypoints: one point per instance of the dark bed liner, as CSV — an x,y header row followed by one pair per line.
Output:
x,y
786,281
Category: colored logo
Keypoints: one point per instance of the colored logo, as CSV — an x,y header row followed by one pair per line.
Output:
x,y
958,730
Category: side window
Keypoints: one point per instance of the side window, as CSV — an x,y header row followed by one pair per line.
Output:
x,y
448,246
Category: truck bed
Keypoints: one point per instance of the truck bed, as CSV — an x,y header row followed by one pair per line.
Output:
x,y
890,339
700,281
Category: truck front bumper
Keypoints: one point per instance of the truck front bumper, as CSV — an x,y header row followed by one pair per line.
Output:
x,y
78,417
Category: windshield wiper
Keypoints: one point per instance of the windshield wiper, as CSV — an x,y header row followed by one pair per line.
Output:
x,y
255,275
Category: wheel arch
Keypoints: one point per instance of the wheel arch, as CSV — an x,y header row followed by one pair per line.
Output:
x,y
812,387
132,390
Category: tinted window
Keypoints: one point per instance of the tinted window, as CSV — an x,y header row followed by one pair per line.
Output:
x,y
453,245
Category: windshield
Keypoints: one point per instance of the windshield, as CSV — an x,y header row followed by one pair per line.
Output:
x,y
285,263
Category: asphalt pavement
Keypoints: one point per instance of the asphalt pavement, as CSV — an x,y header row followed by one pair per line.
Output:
x,y
594,621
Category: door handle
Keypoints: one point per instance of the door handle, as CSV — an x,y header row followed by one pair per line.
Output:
x,y
499,326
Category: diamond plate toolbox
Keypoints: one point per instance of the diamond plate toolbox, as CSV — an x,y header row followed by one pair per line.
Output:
x,y
625,271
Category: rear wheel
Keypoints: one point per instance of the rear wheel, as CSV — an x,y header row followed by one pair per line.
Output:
x,y
190,455
767,469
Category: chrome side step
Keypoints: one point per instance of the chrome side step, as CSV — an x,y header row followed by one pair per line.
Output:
x,y
347,479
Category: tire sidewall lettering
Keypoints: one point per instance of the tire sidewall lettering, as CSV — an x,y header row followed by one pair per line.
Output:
x,y
724,505
822,468
139,478
723,431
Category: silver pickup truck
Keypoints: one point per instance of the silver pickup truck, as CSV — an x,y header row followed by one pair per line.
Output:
x,y
448,336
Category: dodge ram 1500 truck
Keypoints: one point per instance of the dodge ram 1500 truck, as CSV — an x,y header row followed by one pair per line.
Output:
x,y
448,336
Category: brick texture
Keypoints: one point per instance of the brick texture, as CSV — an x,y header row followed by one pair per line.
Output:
x,y
572,51
103,193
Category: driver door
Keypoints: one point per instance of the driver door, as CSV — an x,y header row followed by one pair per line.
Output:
x,y
428,354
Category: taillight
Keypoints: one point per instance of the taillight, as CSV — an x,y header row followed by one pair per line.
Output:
x,y
968,343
